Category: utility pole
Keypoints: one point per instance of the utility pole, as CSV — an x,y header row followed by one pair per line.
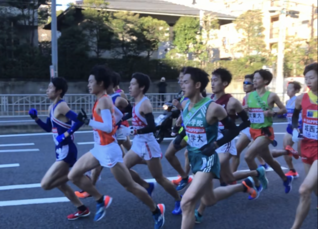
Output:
x,y
313,8
281,48
53,67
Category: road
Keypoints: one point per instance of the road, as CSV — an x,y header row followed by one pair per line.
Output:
x,y
25,159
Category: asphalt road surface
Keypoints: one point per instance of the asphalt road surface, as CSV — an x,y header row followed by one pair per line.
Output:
x,y
25,158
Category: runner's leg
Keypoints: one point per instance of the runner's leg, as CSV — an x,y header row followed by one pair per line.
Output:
x,y
241,144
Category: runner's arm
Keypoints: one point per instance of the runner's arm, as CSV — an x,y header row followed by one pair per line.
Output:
x,y
45,126
146,110
282,108
235,106
105,105
297,111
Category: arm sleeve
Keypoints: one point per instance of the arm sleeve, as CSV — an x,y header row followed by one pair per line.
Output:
x,y
106,125
231,131
127,116
76,125
128,108
45,126
151,127
246,121
295,118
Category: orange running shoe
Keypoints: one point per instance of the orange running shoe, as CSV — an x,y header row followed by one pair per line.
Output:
x,y
249,184
82,194
292,152
177,181
108,200
293,174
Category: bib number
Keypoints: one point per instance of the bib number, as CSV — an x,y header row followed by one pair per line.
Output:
x,y
196,137
55,134
310,131
257,117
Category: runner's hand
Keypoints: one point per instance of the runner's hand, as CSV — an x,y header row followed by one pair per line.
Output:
x,y
269,113
82,117
296,135
33,113
60,138
132,131
209,150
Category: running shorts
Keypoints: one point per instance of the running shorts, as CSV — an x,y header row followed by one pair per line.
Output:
x,y
107,155
205,164
186,137
66,153
289,129
122,133
146,149
309,151
246,131
255,133
229,147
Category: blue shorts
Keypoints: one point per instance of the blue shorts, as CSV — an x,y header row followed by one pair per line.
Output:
x,y
66,153
289,128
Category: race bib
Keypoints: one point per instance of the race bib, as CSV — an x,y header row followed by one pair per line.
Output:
x,y
55,134
196,136
289,118
310,131
256,115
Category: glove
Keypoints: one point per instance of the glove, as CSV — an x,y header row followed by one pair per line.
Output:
x,y
296,136
82,117
209,150
60,138
33,113
132,131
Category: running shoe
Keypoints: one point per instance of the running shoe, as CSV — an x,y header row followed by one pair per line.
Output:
x,y
259,190
183,184
288,184
262,177
265,166
160,218
101,208
79,214
177,181
291,173
291,152
82,194
151,188
177,208
198,219
251,189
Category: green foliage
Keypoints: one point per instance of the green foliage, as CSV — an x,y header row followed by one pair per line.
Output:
x,y
250,25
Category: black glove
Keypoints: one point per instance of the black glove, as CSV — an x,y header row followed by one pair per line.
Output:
x,y
82,117
209,149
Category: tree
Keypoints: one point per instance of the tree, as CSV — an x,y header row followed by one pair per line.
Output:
x,y
154,32
186,30
95,25
250,25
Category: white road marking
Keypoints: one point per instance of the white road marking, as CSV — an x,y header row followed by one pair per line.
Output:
x,y
18,150
33,201
18,144
9,165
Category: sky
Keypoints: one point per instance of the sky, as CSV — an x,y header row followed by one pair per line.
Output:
x,y
64,4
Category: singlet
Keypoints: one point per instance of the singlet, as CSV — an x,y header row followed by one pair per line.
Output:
x,y
59,127
244,101
199,132
256,110
223,101
310,119
101,137
139,122
290,107
119,90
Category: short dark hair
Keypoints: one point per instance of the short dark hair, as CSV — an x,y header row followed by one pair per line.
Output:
x,y
198,75
297,85
309,67
60,84
249,76
265,74
143,80
224,74
116,79
102,74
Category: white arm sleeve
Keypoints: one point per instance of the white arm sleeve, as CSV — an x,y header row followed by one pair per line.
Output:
x,y
118,114
106,125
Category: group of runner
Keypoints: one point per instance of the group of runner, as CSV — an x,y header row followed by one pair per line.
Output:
x,y
207,130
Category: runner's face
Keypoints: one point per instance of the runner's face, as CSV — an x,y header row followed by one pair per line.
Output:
x,y
93,87
291,90
217,84
311,80
248,85
134,89
51,92
188,86
258,81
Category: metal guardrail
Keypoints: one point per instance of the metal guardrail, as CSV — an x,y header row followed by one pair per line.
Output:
x,y
18,105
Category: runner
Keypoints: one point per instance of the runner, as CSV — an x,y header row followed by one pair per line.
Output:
x,y
292,89
145,145
307,104
245,136
221,78
106,151
60,123
260,104
183,179
201,118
